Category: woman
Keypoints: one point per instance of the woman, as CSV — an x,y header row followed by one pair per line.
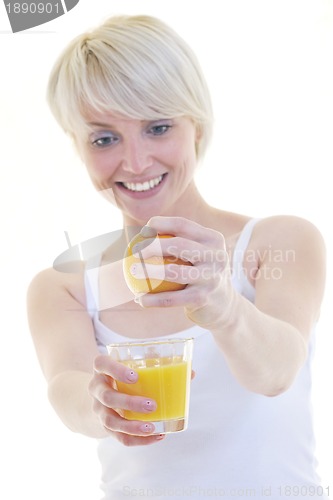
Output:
x,y
133,98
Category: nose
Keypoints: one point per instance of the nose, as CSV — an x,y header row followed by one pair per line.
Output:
x,y
137,156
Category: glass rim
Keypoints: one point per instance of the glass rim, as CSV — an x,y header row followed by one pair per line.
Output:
x,y
138,343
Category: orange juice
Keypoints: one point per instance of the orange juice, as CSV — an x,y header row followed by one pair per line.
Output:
x,y
165,381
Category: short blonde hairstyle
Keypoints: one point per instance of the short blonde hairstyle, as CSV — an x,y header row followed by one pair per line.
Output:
x,y
136,66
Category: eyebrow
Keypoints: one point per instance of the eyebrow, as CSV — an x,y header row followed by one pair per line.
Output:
x,y
103,125
110,125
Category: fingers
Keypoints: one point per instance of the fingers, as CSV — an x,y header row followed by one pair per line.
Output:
x,y
129,433
194,296
203,247
182,248
106,395
179,226
103,386
207,278
175,273
174,248
109,403
128,440
113,421
103,364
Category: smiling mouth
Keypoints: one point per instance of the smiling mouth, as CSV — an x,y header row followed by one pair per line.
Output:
x,y
143,186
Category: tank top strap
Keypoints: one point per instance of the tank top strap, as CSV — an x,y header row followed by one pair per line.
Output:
x,y
91,278
239,280
244,239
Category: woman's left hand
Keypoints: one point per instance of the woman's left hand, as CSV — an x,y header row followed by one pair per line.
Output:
x,y
208,296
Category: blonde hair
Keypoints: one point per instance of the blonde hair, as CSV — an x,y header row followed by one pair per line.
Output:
x,y
136,66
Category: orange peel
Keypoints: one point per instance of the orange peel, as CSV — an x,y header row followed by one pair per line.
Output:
x,y
146,284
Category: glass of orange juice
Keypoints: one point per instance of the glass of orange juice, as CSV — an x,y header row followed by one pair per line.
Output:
x,y
164,374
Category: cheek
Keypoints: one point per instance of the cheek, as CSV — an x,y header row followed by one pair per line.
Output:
x,y
95,161
183,151
100,166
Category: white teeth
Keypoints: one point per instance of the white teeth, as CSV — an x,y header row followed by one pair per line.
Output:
x,y
145,186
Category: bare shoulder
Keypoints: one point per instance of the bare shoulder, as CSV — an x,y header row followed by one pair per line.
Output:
x,y
287,231
290,269
51,283
293,246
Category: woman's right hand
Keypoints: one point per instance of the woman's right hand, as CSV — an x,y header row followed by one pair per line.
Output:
x,y
108,401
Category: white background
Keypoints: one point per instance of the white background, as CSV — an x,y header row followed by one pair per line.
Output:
x,y
269,67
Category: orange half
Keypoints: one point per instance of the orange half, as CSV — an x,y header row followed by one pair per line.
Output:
x,y
147,285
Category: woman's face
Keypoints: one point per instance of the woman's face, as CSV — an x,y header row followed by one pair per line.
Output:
x,y
146,165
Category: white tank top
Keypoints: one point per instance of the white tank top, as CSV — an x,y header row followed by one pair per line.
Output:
x,y
238,443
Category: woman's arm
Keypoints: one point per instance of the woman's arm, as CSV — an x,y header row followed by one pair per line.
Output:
x,y
265,344
64,341
80,381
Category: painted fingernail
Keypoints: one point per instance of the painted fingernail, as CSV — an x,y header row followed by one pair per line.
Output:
x,y
149,405
149,428
131,376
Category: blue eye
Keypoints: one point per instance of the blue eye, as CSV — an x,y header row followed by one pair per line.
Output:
x,y
160,129
103,140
